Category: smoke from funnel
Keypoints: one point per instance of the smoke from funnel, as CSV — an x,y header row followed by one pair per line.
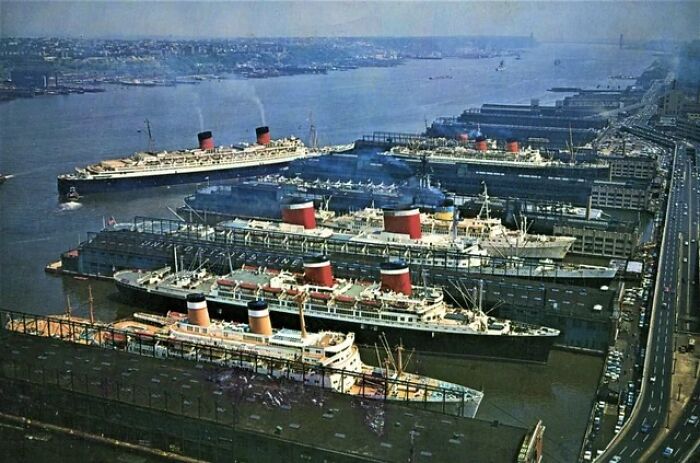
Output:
x,y
201,119
261,109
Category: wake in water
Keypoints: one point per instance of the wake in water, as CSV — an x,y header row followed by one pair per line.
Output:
x,y
65,207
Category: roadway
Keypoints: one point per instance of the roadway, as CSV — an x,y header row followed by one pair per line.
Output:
x,y
683,437
673,301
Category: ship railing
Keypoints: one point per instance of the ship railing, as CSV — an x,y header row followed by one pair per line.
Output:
x,y
459,401
238,158
422,326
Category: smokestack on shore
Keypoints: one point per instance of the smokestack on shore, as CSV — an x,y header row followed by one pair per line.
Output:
x,y
259,318
318,271
263,135
300,213
197,311
405,221
396,277
206,141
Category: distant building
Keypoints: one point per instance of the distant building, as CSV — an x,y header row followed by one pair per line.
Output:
x,y
632,166
688,128
33,78
670,104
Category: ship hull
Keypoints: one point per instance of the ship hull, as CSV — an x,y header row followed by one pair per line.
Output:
x,y
573,185
529,251
513,348
262,198
101,185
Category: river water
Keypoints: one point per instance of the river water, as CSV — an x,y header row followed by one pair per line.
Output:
x,y
45,136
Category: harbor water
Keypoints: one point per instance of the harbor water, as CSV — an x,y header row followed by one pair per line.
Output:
x,y
45,136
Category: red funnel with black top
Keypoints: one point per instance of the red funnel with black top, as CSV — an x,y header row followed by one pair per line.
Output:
x,y
206,141
263,135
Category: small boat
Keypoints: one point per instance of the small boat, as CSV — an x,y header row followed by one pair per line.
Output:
x,y
501,66
72,195
4,177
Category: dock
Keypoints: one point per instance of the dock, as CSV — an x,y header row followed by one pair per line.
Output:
x,y
214,414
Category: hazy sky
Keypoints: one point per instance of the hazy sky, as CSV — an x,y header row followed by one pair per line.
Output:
x,y
563,20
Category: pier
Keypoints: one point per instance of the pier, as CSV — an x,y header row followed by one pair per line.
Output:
x,y
114,398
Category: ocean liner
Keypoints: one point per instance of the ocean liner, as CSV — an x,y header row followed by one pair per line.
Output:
x,y
401,234
513,172
260,197
326,359
489,233
205,163
394,308
558,125
483,155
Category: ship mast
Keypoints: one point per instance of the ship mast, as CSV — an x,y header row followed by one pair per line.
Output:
x,y
90,306
481,295
455,222
485,209
481,315
302,323
151,141
313,136
571,145
399,355
68,307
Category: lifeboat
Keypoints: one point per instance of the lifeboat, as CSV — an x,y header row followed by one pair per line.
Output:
x,y
320,296
371,303
345,299
270,289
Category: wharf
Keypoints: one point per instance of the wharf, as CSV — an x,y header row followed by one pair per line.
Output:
x,y
554,303
390,139
217,415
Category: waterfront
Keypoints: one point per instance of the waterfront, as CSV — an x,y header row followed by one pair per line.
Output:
x,y
43,137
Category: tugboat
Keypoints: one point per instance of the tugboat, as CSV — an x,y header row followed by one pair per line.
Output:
x,y
72,196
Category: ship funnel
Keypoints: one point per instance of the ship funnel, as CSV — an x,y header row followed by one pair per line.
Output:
x,y
197,311
405,221
300,213
512,145
259,318
318,271
396,277
263,134
445,212
480,144
206,141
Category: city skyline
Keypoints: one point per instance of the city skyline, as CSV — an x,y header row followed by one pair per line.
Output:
x,y
569,21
